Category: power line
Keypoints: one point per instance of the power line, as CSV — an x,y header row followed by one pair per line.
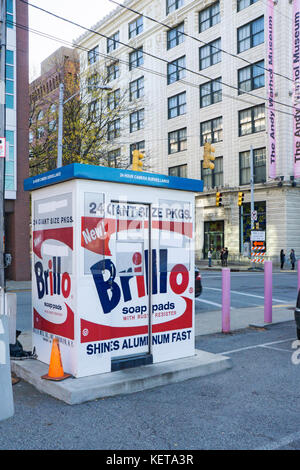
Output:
x,y
155,57
144,69
197,39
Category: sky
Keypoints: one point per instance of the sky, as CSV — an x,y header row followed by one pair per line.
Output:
x,y
87,13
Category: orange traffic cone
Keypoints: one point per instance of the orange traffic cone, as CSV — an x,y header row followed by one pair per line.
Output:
x,y
56,371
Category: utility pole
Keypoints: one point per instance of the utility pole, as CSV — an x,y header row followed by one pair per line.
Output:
x,y
252,199
2,134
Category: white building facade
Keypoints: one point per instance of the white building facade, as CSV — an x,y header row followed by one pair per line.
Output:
x,y
217,71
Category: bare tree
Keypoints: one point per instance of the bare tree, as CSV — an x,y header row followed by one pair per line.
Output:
x,y
92,124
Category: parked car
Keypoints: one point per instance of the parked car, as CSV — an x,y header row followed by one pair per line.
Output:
x,y
297,315
198,283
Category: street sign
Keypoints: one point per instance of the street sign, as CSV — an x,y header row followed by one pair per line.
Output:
x,y
258,244
258,235
254,216
2,147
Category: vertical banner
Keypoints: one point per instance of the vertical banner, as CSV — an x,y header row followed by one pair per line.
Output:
x,y
296,94
271,89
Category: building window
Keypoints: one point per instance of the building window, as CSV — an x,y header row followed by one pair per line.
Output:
x,y
173,5
260,208
241,4
113,71
177,141
113,129
176,70
136,120
211,131
113,158
135,27
251,77
10,14
93,55
177,105
213,178
209,17
259,166
136,146
40,115
113,42
136,89
210,54
113,100
252,120
10,162
251,34
93,82
136,58
52,126
9,81
180,170
94,110
40,132
210,92
175,36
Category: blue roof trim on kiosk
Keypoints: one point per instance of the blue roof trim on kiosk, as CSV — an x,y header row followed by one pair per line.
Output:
x,y
115,175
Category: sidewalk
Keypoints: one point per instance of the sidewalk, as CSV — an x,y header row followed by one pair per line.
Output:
x,y
236,267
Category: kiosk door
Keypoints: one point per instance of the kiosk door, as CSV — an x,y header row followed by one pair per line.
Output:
x,y
132,259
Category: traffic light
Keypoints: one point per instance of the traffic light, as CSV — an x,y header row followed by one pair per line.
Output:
x,y
137,164
240,198
209,150
218,199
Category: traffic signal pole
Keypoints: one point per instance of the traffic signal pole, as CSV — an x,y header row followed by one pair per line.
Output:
x,y
252,186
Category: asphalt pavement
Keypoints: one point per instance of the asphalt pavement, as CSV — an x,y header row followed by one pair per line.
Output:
x,y
254,405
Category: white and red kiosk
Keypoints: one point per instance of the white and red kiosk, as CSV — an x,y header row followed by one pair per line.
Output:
x,y
112,267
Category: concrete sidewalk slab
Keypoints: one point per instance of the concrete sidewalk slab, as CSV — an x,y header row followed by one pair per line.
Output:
x,y
74,391
211,322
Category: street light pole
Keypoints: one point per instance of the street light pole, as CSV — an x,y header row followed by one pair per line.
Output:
x,y
60,125
61,104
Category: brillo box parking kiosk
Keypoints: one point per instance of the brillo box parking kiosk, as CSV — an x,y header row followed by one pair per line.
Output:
x,y
112,267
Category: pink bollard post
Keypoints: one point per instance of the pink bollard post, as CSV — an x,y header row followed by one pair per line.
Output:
x,y
298,268
268,292
225,300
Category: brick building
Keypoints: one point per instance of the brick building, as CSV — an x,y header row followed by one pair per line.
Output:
x,y
203,75
60,67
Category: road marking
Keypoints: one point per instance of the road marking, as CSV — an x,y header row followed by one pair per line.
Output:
x,y
275,349
285,441
257,346
243,293
209,302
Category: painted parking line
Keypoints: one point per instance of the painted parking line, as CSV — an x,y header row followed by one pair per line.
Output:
x,y
285,441
209,302
247,295
262,345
